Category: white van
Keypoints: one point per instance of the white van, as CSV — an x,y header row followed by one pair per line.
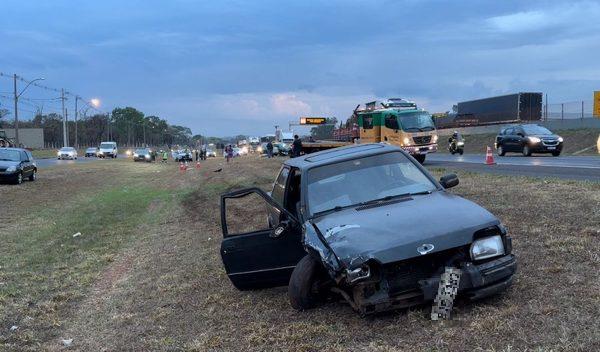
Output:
x,y
108,150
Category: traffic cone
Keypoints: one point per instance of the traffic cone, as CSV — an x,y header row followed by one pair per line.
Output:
x,y
197,165
489,157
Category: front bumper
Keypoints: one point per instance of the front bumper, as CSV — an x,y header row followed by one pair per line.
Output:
x,y
420,149
478,280
544,148
8,176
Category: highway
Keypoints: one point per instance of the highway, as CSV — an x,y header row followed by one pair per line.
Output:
x,y
43,163
567,167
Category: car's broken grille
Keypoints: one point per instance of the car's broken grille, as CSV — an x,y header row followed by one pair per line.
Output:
x,y
405,275
422,139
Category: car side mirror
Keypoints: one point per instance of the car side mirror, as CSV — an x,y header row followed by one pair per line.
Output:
x,y
449,181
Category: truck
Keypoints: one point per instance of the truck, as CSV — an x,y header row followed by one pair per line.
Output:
x,y
396,121
511,108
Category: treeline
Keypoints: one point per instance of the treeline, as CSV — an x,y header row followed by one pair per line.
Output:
x,y
126,126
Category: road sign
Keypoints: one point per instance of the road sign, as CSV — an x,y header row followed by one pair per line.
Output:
x,y
597,103
313,120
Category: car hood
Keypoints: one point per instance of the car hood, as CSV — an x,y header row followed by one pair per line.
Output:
x,y
550,136
393,232
6,163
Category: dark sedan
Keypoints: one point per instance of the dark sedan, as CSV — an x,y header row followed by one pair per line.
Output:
x,y
527,139
16,164
143,154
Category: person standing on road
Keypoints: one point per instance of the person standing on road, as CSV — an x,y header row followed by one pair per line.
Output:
x,y
296,146
269,150
165,156
196,154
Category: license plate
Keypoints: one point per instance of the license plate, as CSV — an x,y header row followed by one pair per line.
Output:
x,y
551,148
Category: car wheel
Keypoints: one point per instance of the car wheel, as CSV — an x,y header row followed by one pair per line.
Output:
x,y
526,151
33,176
555,153
19,178
460,151
303,287
500,150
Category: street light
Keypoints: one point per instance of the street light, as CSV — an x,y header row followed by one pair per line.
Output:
x,y
17,96
95,102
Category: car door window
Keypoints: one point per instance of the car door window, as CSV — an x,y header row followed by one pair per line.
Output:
x,y
367,122
24,156
278,192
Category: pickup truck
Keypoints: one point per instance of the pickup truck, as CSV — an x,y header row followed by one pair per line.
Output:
x,y
366,224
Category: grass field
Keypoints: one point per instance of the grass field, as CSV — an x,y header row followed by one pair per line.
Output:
x,y
574,141
146,274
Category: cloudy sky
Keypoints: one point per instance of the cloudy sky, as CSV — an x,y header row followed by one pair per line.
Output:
x,y
229,67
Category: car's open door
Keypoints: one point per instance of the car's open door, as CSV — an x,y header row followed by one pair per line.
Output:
x,y
254,254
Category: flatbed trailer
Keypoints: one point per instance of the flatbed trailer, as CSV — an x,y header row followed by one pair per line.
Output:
x,y
311,147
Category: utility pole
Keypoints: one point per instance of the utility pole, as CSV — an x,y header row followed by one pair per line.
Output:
x,y
144,128
76,143
62,99
16,112
108,126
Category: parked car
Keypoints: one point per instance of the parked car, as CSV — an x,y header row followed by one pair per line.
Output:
x,y
281,149
67,153
369,225
108,150
143,154
91,152
527,139
211,153
17,164
183,155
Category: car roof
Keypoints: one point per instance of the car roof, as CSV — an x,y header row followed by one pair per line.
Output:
x,y
340,154
16,149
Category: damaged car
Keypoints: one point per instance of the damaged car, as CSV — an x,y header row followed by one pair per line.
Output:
x,y
369,225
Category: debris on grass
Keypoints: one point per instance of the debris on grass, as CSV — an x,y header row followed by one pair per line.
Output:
x,y
13,328
67,342
77,234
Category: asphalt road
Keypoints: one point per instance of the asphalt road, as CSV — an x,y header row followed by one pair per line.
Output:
x,y
42,163
567,167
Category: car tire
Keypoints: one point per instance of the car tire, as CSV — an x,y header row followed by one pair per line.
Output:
x,y
19,179
301,289
526,150
555,153
500,150
460,152
33,176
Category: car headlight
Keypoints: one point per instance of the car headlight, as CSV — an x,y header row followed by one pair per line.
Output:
x,y
135,155
460,143
147,156
406,141
434,139
534,140
11,169
58,153
487,248
560,139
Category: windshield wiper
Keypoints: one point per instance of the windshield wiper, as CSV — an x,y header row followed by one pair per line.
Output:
x,y
388,198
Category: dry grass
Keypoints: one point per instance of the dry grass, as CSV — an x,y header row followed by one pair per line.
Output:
x,y
167,290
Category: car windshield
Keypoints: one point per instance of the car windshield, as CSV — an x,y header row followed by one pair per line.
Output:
x,y
141,151
364,180
107,145
536,129
91,149
9,155
416,121
66,149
